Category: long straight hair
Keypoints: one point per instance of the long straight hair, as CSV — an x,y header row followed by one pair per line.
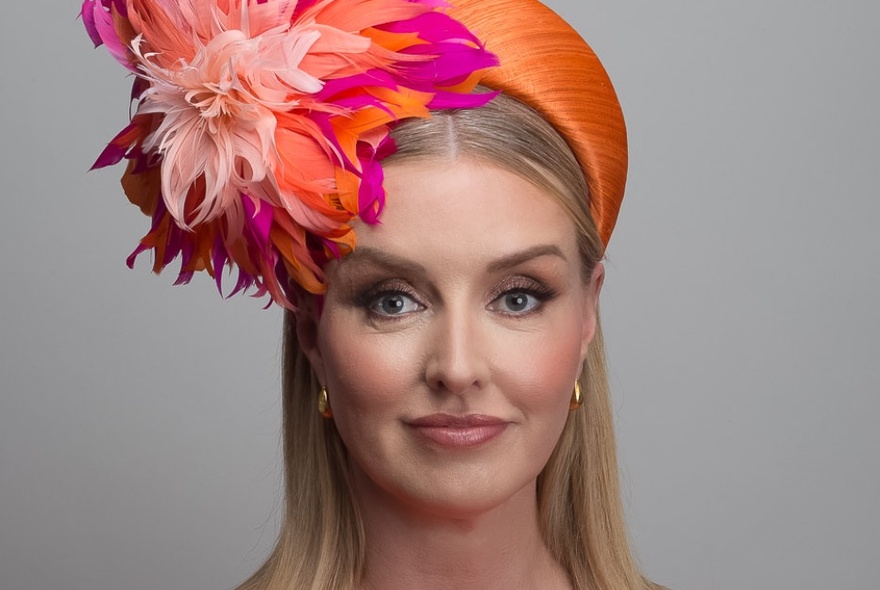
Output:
x,y
321,541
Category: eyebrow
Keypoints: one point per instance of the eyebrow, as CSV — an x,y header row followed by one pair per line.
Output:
x,y
380,257
517,258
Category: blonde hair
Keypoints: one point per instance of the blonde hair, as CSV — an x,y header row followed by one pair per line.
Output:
x,y
321,542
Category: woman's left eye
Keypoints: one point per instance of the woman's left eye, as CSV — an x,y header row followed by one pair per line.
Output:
x,y
517,302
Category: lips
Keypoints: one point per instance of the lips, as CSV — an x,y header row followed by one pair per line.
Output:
x,y
452,431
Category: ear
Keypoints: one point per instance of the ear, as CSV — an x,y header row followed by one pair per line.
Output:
x,y
591,308
307,328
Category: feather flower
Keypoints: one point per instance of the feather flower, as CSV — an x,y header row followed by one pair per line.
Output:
x,y
260,124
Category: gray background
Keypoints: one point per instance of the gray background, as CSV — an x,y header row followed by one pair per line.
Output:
x,y
139,422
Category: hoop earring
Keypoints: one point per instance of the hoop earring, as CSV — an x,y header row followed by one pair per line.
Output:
x,y
576,399
324,404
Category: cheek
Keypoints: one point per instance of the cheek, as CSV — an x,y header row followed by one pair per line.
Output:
x,y
551,358
538,377
368,376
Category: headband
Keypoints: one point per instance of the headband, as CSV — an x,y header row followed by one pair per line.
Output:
x,y
260,124
548,66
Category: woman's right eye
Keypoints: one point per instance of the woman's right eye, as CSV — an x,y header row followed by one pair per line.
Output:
x,y
393,304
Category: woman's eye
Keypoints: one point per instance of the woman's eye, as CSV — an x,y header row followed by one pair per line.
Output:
x,y
518,302
390,304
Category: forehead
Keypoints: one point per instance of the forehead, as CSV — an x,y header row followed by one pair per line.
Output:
x,y
465,209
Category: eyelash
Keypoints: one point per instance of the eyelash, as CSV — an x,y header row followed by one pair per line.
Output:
x,y
526,286
516,285
369,298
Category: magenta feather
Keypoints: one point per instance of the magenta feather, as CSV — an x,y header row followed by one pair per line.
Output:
x,y
219,83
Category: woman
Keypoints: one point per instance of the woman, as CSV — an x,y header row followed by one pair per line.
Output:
x,y
434,434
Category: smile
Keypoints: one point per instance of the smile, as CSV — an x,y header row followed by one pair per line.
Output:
x,y
458,431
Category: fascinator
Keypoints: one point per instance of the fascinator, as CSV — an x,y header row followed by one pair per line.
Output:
x,y
259,124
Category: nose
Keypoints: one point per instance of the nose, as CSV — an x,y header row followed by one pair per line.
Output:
x,y
458,350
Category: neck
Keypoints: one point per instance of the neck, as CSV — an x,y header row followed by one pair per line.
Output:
x,y
431,549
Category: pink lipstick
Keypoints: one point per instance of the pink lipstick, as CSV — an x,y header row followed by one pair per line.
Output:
x,y
468,431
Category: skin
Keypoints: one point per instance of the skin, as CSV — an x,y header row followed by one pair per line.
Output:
x,y
468,299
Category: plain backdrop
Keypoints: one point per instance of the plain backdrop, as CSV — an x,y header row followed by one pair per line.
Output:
x,y
139,422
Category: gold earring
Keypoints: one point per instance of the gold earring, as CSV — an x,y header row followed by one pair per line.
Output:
x,y
324,404
576,400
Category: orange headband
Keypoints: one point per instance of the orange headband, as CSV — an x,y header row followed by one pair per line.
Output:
x,y
547,65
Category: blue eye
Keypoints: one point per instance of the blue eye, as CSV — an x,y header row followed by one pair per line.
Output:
x,y
518,302
391,304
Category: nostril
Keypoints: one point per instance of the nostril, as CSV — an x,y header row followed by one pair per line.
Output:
x,y
455,369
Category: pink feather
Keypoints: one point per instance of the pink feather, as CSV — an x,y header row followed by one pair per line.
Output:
x,y
260,124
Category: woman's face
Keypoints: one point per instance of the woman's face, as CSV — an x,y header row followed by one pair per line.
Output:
x,y
450,340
